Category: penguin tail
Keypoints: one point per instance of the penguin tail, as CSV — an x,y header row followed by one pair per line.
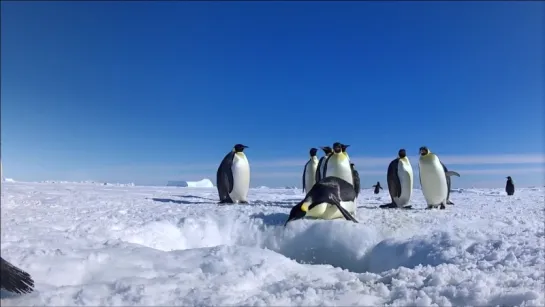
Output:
x,y
449,202
15,280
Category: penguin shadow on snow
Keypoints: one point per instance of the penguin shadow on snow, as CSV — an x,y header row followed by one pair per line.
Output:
x,y
271,219
196,197
177,201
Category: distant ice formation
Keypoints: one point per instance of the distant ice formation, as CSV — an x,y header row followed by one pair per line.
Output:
x,y
205,183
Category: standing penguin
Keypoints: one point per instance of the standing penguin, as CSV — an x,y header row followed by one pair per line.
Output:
x,y
338,165
510,186
453,173
400,181
356,176
377,187
433,179
320,171
233,176
14,279
309,173
330,198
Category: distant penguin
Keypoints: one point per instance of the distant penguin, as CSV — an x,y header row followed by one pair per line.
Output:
x,y
321,163
510,186
400,181
309,173
14,279
233,176
377,188
330,198
343,149
356,179
433,179
338,164
449,182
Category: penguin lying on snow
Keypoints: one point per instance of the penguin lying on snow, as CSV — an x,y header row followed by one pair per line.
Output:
x,y
13,279
329,199
233,176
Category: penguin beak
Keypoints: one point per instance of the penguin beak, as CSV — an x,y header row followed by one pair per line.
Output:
x,y
298,212
244,146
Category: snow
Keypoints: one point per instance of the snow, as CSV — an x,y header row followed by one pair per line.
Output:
x,y
204,183
95,245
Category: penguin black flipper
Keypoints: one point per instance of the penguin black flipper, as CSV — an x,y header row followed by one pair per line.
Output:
x,y
224,178
318,173
15,280
344,191
304,172
394,185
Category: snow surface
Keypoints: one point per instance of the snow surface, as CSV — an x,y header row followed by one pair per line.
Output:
x,y
204,183
102,245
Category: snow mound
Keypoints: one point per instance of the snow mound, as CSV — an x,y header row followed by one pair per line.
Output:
x,y
204,183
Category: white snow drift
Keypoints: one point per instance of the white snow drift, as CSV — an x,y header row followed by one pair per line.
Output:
x,y
204,183
102,246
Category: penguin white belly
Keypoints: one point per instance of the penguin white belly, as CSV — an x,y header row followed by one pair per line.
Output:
x,y
405,174
310,174
433,182
339,166
327,211
241,178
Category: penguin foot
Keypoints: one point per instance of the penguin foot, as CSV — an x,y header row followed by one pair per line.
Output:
x,y
408,207
429,207
243,202
442,207
388,206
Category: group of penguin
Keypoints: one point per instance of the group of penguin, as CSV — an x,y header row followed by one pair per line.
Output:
x,y
332,183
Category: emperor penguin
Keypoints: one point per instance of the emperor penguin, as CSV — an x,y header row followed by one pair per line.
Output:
x,y
14,279
400,181
509,186
330,198
338,164
377,188
453,173
321,163
309,173
233,176
433,179
356,177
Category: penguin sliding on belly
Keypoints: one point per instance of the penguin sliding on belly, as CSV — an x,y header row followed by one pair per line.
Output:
x,y
320,170
309,173
233,177
331,198
338,165
400,181
14,279
433,179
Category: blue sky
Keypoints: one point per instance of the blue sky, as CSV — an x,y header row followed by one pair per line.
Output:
x,y
148,92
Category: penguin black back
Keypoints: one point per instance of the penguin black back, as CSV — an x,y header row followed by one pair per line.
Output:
x,y
14,279
377,187
509,186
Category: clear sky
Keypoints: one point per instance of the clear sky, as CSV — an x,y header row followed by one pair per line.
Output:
x,y
148,91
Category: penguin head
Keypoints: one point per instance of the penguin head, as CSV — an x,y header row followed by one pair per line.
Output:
x,y
344,147
509,178
313,152
239,148
327,150
424,150
337,147
300,210
402,153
